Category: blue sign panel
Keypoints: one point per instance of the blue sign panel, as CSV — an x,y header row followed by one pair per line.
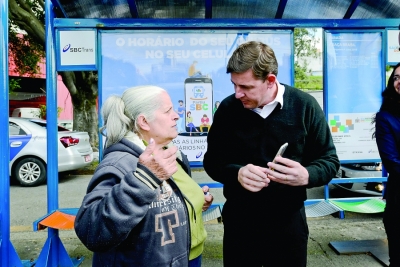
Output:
x,y
190,65
354,79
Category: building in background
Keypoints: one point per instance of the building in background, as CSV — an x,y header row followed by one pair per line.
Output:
x,y
33,91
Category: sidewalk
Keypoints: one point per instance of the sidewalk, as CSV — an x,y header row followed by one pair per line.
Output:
x,y
323,230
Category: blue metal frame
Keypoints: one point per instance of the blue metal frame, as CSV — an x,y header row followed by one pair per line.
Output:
x,y
133,8
281,9
353,5
292,58
53,253
58,6
227,23
8,255
208,7
100,94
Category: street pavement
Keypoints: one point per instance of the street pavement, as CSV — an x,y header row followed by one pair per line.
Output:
x,y
29,204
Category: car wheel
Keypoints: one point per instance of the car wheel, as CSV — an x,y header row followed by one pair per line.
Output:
x,y
30,172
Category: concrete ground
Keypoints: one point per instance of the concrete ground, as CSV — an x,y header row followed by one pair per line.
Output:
x,y
323,230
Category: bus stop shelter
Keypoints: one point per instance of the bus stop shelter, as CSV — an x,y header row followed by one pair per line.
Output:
x,y
102,23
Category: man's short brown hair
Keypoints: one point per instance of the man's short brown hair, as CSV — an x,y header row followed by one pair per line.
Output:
x,y
256,56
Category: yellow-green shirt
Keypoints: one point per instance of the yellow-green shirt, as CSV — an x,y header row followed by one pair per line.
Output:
x,y
195,194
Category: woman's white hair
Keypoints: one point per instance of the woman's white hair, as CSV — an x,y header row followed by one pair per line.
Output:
x,y
120,113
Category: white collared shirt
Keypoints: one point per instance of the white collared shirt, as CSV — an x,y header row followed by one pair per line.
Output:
x,y
268,108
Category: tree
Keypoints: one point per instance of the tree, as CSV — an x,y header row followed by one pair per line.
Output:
x,y
304,46
26,18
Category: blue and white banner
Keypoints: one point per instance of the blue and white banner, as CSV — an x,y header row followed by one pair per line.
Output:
x,y
190,65
354,78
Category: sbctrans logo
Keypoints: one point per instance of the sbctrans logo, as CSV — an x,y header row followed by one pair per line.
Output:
x,y
70,49
66,48
199,154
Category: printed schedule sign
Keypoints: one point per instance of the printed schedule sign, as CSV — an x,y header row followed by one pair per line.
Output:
x,y
355,80
393,47
190,65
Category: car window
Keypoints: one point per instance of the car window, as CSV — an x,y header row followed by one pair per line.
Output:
x,y
44,125
15,129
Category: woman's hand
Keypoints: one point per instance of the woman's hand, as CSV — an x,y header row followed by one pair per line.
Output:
x,y
161,162
208,198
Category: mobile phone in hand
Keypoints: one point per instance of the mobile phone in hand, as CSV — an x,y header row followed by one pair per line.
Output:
x,y
280,152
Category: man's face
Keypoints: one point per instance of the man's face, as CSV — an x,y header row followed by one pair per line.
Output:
x,y
251,91
181,104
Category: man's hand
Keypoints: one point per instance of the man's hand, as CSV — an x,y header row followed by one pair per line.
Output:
x,y
161,162
208,198
253,178
287,172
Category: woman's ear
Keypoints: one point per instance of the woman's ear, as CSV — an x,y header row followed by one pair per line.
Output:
x,y
143,123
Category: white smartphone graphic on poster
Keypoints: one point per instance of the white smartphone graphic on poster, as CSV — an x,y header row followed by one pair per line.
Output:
x,y
199,104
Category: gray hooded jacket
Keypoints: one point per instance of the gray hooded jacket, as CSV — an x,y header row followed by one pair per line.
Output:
x,y
127,217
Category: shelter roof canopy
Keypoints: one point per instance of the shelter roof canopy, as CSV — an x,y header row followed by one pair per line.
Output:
x,y
228,9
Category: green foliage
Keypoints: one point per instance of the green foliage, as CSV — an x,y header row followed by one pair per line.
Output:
x,y
305,46
42,112
305,42
14,84
26,54
300,74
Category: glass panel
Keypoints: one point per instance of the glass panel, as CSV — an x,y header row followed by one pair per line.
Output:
x,y
161,9
316,9
96,9
244,9
372,9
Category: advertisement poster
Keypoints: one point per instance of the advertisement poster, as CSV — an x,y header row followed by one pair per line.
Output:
x,y
191,66
393,47
354,78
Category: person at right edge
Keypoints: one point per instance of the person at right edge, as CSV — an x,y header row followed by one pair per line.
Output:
x,y
264,216
387,134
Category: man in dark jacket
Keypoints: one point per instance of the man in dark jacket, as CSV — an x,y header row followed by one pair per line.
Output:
x,y
264,216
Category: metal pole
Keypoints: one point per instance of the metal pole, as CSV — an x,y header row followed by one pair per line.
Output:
x,y
4,140
8,255
52,133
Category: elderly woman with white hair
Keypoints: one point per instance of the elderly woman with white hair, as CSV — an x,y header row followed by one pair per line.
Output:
x,y
142,208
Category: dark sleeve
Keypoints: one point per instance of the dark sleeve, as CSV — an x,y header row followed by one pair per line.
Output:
x,y
323,162
114,205
186,164
216,162
386,140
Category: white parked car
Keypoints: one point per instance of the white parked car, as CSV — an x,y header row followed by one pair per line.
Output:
x,y
26,112
66,124
28,150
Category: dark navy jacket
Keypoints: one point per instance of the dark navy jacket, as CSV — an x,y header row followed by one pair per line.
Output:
x,y
388,140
